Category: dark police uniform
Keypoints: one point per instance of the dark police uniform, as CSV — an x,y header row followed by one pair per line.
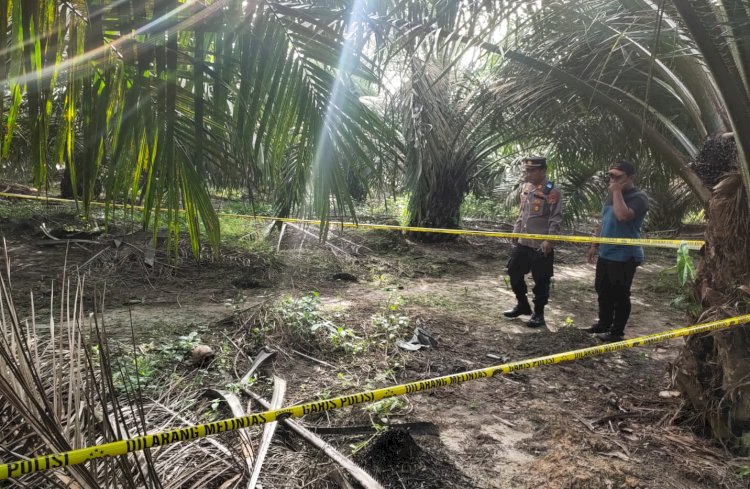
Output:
x,y
540,213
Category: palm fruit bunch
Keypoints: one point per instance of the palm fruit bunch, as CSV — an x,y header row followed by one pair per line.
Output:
x,y
717,156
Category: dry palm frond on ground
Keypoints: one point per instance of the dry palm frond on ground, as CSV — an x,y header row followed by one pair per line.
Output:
x,y
57,393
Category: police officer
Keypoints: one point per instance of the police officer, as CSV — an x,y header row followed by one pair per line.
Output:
x,y
540,213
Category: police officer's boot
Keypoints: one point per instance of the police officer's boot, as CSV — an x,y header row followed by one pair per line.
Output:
x,y
537,319
521,309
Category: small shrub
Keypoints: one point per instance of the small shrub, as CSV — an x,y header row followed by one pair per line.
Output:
x,y
391,324
304,322
145,369
685,270
387,407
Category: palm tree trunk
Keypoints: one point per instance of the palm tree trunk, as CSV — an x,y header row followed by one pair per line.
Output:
x,y
436,203
713,369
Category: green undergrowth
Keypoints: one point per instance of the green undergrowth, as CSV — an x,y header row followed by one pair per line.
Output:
x,y
474,207
151,365
677,281
307,326
301,323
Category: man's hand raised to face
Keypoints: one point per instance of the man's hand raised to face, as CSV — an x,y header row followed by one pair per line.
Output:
x,y
616,184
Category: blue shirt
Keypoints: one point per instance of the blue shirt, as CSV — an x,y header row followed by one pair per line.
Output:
x,y
612,228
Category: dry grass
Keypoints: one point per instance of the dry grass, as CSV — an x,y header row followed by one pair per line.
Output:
x,y
57,393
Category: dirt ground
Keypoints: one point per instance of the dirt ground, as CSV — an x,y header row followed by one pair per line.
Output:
x,y
603,422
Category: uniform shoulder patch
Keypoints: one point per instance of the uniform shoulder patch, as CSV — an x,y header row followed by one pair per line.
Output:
x,y
554,196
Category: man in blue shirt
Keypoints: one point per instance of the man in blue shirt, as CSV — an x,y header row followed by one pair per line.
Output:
x,y
622,217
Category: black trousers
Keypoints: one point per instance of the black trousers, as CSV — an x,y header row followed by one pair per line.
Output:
x,y
612,283
524,260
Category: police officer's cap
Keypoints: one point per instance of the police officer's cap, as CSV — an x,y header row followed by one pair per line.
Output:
x,y
535,162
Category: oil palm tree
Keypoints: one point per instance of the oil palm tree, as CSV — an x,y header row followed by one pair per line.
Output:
x,y
676,73
172,98
449,135
673,75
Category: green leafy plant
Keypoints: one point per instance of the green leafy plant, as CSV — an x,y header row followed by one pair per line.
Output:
x,y
189,341
236,387
145,369
394,303
356,447
685,266
133,372
391,325
685,269
306,323
695,217
346,339
478,207
236,303
386,407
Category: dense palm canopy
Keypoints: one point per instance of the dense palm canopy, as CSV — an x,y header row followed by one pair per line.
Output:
x,y
163,99
166,99
611,58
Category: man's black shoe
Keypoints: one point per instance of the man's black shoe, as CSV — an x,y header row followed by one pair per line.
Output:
x,y
536,321
609,337
597,328
519,310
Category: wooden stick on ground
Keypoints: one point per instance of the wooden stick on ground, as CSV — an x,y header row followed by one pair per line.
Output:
x,y
236,406
313,359
365,479
279,391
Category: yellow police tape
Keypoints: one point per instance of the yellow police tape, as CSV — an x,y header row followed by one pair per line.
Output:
x,y
658,243
81,455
